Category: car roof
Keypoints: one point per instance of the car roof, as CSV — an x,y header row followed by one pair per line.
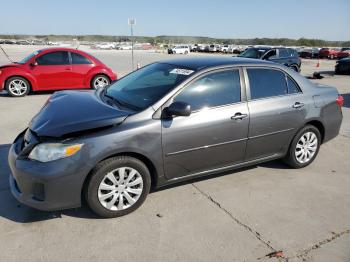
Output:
x,y
198,63
54,49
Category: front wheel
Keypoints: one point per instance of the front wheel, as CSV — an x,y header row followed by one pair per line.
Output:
x,y
100,81
118,186
304,147
17,86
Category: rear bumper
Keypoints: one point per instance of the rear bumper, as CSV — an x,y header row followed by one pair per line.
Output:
x,y
47,186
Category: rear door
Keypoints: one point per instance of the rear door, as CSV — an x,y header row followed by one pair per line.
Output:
x,y
81,66
215,133
277,110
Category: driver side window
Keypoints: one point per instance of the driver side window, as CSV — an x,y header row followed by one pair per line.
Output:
x,y
272,54
54,58
212,90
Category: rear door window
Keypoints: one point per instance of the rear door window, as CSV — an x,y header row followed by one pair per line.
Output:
x,y
292,86
54,58
266,82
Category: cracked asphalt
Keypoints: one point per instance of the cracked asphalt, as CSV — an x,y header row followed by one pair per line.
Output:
x,y
243,215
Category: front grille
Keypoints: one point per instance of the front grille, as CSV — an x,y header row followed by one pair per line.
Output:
x,y
29,141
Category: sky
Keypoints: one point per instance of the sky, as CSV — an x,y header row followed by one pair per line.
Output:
x,y
321,19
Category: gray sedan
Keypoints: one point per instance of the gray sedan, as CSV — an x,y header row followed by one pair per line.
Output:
x,y
168,122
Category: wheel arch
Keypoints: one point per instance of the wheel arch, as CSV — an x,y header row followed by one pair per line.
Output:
x,y
21,76
149,164
319,125
94,74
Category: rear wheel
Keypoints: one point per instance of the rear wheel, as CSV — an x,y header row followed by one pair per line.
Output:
x,y
100,81
295,68
118,186
304,147
17,86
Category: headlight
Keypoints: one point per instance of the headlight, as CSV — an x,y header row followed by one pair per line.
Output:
x,y
52,151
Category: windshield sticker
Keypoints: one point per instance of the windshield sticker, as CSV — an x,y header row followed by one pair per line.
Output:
x,y
180,71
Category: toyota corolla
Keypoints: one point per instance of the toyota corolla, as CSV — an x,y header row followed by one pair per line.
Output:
x,y
164,123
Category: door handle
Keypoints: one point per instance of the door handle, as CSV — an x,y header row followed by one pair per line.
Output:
x,y
298,105
239,116
67,69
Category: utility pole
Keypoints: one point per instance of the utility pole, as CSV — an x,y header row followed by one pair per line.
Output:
x,y
132,22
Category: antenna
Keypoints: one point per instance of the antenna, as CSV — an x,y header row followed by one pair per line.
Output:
x,y
6,54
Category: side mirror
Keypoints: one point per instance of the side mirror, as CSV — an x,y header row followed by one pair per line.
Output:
x,y
177,109
34,63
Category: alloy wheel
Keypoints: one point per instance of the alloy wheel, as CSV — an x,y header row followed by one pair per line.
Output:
x,y
120,188
18,87
306,147
100,82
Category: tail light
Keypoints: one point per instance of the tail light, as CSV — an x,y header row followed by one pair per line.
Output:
x,y
340,100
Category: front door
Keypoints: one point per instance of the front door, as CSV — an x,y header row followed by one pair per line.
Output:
x,y
215,133
53,71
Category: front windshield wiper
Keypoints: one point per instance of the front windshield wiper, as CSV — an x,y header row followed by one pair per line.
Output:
x,y
120,103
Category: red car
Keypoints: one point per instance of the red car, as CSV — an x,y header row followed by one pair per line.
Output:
x,y
345,52
54,69
328,53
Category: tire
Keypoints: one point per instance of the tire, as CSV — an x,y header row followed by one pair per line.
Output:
x,y
100,81
295,68
295,147
17,86
186,52
100,186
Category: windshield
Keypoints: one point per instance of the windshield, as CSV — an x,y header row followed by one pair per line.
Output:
x,y
26,59
253,53
144,87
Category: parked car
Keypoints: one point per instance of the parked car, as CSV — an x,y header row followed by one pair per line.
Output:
x,y
54,69
309,53
194,48
193,119
224,48
281,55
214,48
180,49
343,66
344,52
329,53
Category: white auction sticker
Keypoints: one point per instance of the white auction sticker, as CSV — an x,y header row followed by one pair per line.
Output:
x,y
180,71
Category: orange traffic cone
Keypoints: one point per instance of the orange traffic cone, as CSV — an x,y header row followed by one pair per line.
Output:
x,y
318,64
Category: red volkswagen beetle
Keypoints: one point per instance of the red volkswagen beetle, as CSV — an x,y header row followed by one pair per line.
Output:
x,y
54,69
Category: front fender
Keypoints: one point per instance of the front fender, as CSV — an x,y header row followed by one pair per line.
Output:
x,y
14,71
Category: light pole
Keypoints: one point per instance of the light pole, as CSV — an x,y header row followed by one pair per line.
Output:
x,y
132,22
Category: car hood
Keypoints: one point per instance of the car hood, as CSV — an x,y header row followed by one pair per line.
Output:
x,y
69,112
10,65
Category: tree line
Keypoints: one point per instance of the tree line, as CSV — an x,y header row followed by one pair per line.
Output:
x,y
184,39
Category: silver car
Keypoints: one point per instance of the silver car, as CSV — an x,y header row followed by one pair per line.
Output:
x,y
168,122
